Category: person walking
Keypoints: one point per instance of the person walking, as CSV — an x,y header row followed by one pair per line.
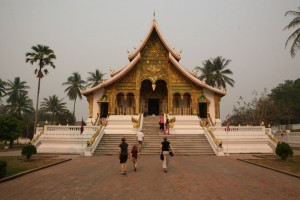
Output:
x,y
134,156
161,124
123,155
166,148
167,128
140,137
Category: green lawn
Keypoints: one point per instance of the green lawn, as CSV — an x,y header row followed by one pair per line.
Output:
x,y
291,165
17,164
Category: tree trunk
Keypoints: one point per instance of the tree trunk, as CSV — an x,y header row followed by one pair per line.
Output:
x,y
37,107
11,141
74,107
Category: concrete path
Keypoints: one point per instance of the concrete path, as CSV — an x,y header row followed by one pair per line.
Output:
x,y
189,177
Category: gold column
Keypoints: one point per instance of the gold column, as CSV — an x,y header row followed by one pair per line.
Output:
x,y
90,102
170,100
137,102
125,103
194,102
112,105
217,106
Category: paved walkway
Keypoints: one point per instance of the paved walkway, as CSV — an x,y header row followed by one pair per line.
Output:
x,y
189,177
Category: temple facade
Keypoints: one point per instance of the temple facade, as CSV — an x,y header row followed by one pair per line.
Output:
x,y
154,83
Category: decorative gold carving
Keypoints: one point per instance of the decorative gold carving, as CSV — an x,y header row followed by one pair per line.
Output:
x,y
202,99
154,48
130,77
217,100
217,141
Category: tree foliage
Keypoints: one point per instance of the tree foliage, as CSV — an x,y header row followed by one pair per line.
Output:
x,y
2,88
94,78
75,85
54,106
281,106
286,97
214,72
10,128
294,38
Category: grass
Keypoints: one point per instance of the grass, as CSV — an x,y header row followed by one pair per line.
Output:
x,y
291,165
17,164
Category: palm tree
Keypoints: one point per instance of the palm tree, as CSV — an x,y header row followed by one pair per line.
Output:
x,y
2,88
94,78
15,89
20,106
206,73
295,36
75,84
220,73
54,106
44,56
214,72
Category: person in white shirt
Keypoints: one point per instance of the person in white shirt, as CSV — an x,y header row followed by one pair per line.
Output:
x,y
140,137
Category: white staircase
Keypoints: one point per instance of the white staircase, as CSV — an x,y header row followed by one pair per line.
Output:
x,y
246,139
187,124
64,139
120,124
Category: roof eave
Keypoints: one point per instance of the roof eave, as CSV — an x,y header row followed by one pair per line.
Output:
x,y
194,79
114,78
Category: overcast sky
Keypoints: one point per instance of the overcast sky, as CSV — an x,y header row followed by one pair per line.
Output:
x,y
88,35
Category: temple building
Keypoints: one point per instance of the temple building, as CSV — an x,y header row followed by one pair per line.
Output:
x,y
154,83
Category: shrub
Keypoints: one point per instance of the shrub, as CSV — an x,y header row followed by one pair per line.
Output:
x,y
3,169
283,150
28,150
10,128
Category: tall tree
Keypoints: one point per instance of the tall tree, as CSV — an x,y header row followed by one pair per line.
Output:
x,y
94,78
2,88
44,56
75,85
15,89
54,106
214,72
295,36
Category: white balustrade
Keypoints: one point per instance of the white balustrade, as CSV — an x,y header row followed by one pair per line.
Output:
x,y
239,129
68,132
244,139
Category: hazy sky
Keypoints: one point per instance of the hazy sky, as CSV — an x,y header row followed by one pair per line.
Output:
x,y
88,35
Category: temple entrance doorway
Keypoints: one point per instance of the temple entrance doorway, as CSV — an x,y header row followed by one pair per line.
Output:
x,y
104,109
154,97
203,110
153,106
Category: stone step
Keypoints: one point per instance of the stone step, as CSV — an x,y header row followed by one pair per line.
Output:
x,y
183,143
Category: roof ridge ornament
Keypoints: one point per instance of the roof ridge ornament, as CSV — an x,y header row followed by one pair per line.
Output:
x,y
154,14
